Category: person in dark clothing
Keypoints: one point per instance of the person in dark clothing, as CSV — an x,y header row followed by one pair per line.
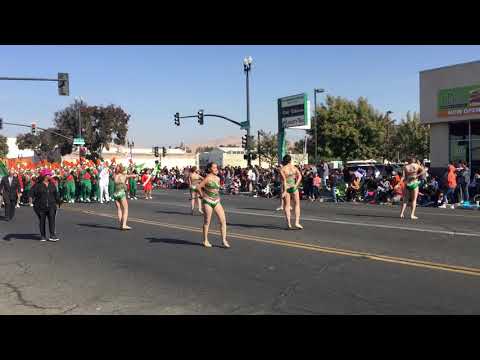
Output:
x,y
10,188
45,198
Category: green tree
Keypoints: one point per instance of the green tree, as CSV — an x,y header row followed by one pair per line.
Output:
x,y
411,138
348,130
45,145
268,150
3,147
101,125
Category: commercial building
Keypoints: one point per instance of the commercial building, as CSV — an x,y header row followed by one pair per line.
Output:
x,y
450,105
233,156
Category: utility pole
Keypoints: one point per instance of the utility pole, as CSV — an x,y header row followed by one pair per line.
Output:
x,y
258,150
247,66
315,92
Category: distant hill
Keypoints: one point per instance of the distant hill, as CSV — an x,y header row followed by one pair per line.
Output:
x,y
228,140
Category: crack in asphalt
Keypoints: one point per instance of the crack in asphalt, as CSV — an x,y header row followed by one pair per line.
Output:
x,y
23,302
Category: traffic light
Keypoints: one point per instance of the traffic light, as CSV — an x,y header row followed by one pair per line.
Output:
x,y
244,141
177,119
63,85
155,151
34,129
164,151
251,139
1,123
200,117
254,156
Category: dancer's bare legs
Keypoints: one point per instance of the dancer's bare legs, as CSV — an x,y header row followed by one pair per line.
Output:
x,y
286,209
220,212
207,217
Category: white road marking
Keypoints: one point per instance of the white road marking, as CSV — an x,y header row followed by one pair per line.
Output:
x,y
340,222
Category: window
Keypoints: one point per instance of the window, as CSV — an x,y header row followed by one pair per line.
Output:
x,y
459,141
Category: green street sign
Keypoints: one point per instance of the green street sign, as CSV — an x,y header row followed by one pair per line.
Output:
x,y
78,141
244,125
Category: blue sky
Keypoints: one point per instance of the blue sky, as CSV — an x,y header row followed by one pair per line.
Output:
x,y
153,82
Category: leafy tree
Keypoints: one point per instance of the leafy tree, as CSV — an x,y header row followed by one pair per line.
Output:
x,y
45,145
411,138
3,147
201,149
268,148
101,125
348,130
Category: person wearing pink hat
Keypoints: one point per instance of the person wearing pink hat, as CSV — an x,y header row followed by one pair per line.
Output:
x,y
45,198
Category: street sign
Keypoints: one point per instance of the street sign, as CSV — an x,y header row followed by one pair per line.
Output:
x,y
293,111
78,141
243,125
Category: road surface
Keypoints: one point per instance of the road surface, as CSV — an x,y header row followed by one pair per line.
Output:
x,y
349,259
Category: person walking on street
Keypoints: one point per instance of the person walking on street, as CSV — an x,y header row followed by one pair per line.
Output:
x,y
45,198
209,190
451,184
292,178
465,180
120,196
10,188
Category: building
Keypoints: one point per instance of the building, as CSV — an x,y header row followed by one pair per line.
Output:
x,y
122,155
450,104
14,152
234,156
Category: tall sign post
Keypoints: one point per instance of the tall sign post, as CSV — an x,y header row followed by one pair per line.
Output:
x,y
293,113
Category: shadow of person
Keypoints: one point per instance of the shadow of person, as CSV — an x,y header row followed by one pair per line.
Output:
x,y
9,237
172,241
96,226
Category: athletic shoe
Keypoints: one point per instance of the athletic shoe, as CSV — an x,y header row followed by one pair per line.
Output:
x,y
53,238
43,239
18,206
443,206
279,209
31,205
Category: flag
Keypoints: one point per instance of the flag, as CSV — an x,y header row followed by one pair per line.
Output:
x,y
3,169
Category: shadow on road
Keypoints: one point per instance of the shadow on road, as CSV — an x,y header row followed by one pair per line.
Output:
x,y
252,226
173,212
260,209
372,216
9,237
96,226
172,241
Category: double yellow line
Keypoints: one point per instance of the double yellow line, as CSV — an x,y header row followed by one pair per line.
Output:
x,y
311,247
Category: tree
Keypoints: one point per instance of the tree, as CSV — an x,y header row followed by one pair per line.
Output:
x,y
3,147
101,125
268,148
348,130
411,138
45,145
201,149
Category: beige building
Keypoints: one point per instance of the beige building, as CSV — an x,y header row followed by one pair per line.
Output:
x,y
173,157
233,156
450,104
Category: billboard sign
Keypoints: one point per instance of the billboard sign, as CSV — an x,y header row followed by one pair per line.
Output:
x,y
459,101
293,111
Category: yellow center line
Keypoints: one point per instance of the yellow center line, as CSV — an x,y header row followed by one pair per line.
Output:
x,y
312,247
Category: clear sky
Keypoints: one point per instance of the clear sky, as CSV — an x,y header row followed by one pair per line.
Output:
x,y
153,82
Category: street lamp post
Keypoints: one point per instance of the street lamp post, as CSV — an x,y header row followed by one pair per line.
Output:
x,y
247,66
315,92
386,138
131,145
79,104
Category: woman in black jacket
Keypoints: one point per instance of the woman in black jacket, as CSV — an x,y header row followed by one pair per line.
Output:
x,y
45,199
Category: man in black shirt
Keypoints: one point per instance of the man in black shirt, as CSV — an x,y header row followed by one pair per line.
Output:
x,y
10,187
45,199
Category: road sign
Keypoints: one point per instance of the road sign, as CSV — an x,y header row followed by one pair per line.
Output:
x,y
78,141
293,111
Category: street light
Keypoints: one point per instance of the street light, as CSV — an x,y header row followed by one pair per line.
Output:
x,y
247,66
315,92
79,101
386,137
131,145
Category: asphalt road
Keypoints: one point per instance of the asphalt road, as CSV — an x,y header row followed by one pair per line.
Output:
x,y
349,259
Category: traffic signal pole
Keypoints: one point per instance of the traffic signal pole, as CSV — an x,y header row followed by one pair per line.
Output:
x,y
46,130
62,81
